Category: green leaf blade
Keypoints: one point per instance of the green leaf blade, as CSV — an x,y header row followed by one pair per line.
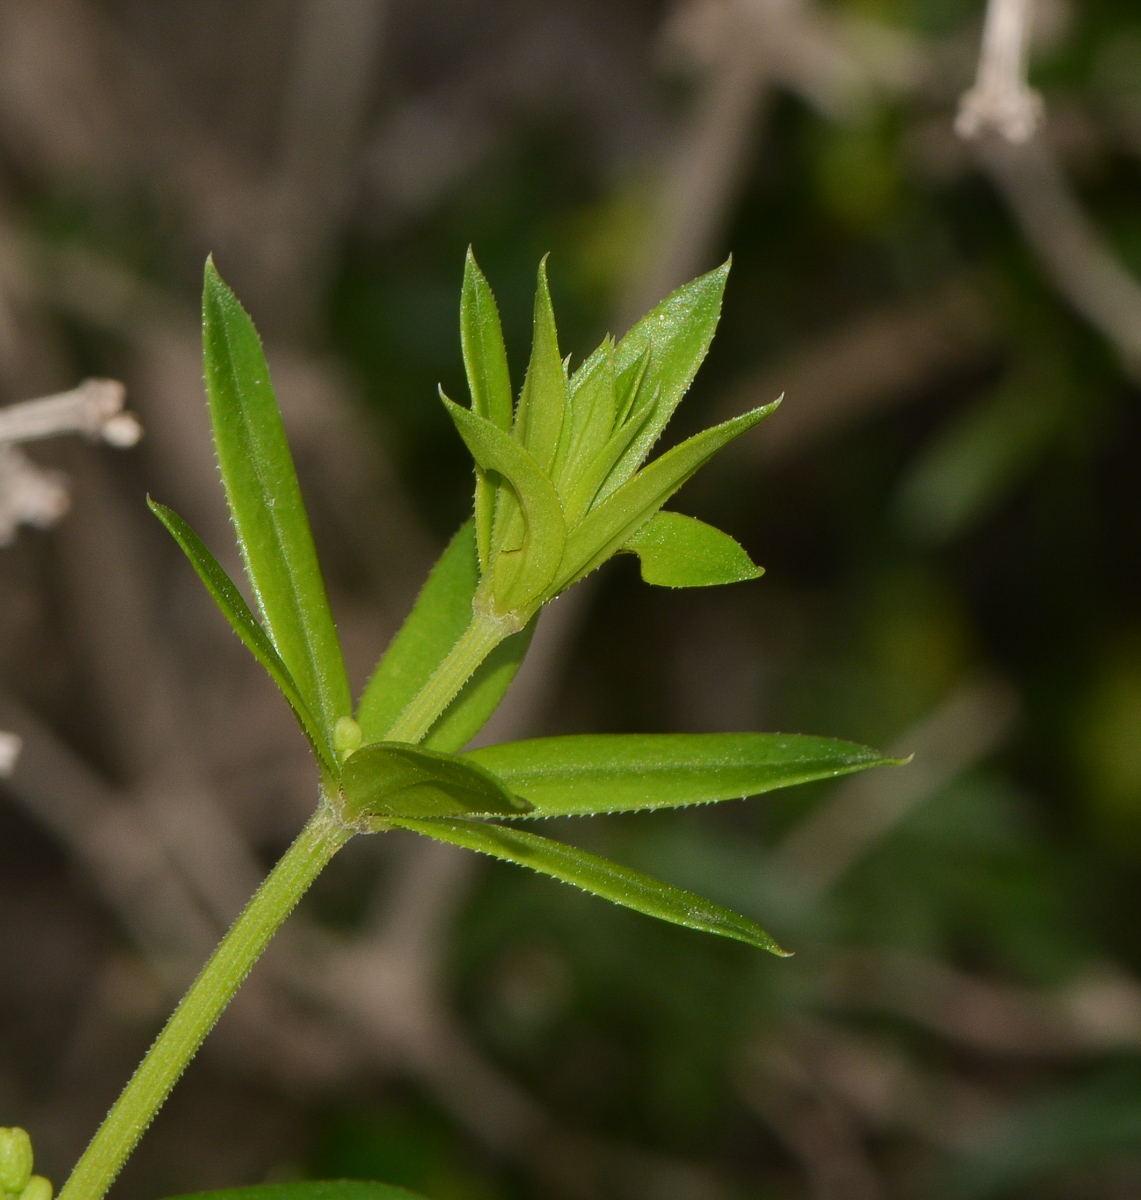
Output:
x,y
608,526
609,880
677,334
309,1189
265,503
235,609
528,570
489,381
394,779
592,774
542,404
678,552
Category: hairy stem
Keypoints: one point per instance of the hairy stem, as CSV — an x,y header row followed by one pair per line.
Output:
x,y
476,642
203,1004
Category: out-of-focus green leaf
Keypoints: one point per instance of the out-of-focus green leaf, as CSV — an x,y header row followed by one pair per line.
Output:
x,y
969,466
524,572
316,1189
489,381
585,774
610,880
440,615
393,779
237,612
678,551
677,333
617,518
543,401
266,506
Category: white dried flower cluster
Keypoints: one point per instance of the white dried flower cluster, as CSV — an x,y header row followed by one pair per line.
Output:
x,y
32,495
1002,101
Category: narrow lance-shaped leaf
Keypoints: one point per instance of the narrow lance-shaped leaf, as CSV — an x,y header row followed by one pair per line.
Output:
x,y
237,612
590,774
678,551
266,505
522,575
309,1189
677,333
591,406
393,779
616,519
542,403
489,381
610,880
442,611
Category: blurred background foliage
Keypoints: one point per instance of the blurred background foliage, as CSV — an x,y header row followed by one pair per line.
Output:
x,y
948,506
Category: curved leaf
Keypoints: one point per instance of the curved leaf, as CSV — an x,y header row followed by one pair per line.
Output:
x,y
610,880
394,779
266,506
587,774
612,522
678,551
237,612
535,563
309,1189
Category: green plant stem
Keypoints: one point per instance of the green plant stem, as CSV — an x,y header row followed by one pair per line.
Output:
x,y
204,1003
476,643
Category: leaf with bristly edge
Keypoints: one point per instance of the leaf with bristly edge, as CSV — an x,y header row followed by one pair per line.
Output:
x,y
237,612
266,506
680,552
591,774
394,779
610,880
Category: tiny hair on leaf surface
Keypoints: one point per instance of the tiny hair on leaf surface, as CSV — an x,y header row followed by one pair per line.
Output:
x,y
563,481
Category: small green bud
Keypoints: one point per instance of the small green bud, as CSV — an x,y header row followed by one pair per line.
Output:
x,y
16,1159
38,1188
346,737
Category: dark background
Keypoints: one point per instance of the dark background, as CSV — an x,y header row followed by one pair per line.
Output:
x,y
948,506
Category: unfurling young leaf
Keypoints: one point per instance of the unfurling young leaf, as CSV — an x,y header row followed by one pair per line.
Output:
x,y
393,779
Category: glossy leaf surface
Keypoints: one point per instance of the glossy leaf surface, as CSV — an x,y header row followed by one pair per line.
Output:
x,y
237,612
309,1189
610,880
678,551
523,572
609,525
489,381
677,335
587,774
266,506
391,779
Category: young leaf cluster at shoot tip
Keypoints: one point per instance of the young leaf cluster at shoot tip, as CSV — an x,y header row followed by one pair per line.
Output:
x,y
561,485
560,480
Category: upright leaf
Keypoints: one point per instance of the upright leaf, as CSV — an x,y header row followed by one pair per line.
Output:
x,y
678,551
485,361
539,421
309,1189
677,335
589,774
613,521
237,612
393,779
521,574
592,406
610,880
266,505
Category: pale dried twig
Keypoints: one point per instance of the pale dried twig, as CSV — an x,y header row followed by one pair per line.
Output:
x,y
1001,100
